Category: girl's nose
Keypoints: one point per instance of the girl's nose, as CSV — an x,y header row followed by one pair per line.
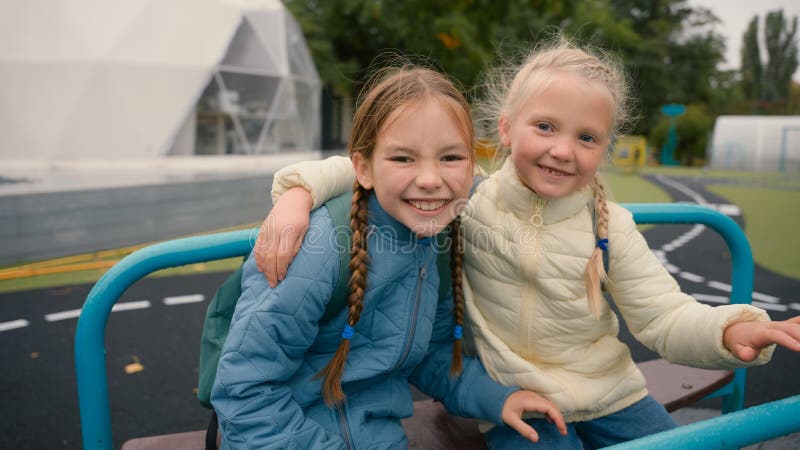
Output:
x,y
562,149
429,177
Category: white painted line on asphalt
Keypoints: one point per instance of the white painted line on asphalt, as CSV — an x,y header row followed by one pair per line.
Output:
x,y
795,306
184,299
720,286
728,210
765,297
692,277
71,314
14,324
127,306
672,269
694,195
771,306
711,298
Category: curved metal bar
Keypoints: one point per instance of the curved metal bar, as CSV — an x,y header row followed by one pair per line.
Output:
x,y
90,352
734,430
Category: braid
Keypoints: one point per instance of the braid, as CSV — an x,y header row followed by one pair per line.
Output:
x,y
456,259
332,386
595,272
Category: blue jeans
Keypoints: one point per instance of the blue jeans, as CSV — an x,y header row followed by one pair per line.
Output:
x,y
643,418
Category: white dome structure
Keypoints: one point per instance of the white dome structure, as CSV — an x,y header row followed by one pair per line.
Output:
x,y
144,79
756,143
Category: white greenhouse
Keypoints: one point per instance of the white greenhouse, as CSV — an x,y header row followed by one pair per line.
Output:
x,y
756,143
144,79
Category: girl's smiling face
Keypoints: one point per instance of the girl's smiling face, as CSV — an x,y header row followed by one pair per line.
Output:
x,y
558,137
420,168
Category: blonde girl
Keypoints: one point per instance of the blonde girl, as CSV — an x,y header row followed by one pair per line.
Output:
x,y
287,381
533,264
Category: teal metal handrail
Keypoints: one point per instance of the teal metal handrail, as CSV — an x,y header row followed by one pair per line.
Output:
x,y
90,353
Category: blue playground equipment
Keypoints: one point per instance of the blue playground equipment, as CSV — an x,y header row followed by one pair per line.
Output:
x,y
672,111
739,428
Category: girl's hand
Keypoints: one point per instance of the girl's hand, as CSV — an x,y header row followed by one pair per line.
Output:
x,y
282,234
746,339
519,402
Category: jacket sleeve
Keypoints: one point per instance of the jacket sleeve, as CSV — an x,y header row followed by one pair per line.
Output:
x,y
324,179
472,393
669,322
270,332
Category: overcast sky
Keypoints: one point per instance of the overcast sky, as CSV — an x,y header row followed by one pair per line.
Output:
x,y
736,14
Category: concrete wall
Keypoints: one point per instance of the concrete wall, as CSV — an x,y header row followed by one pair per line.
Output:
x,y
41,225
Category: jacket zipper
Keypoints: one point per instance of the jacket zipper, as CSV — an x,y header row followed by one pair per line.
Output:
x,y
343,425
423,274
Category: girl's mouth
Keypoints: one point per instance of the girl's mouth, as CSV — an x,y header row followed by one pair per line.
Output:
x,y
428,205
555,172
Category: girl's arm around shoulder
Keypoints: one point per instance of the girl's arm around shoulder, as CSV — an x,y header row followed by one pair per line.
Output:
x,y
324,179
270,332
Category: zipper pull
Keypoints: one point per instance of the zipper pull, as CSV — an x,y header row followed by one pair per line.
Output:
x,y
423,272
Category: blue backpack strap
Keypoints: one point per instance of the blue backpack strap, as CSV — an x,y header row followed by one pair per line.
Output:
x,y
339,209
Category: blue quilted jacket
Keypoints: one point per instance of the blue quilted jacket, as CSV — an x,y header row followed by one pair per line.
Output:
x,y
265,393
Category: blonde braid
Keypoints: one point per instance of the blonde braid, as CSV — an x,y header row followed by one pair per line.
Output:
x,y
332,386
456,260
595,271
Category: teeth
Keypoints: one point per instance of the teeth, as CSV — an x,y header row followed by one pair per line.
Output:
x,y
554,171
427,205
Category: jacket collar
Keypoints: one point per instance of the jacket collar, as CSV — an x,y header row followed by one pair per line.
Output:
x,y
523,202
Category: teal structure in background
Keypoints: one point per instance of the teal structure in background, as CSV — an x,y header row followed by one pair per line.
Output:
x,y
672,111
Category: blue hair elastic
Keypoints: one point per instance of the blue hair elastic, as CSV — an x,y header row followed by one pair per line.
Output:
x,y
603,244
457,332
348,332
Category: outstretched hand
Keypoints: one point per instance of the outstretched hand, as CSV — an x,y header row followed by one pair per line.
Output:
x,y
521,401
746,339
282,234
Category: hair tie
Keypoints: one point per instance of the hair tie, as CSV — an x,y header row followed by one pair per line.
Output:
x,y
603,244
457,332
348,332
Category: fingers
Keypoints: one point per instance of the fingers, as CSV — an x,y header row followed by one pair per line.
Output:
x,y
785,337
554,415
291,240
523,429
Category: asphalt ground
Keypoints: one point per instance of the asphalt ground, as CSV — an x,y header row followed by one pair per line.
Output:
x,y
40,398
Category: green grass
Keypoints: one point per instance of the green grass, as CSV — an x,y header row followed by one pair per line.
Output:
x,y
771,218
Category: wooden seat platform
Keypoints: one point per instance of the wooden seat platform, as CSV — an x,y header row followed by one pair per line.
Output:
x,y
431,427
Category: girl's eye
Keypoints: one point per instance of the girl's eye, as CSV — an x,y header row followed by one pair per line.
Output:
x,y
544,126
453,157
588,138
400,159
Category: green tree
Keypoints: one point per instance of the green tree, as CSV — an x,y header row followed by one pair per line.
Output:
x,y
751,61
781,43
768,88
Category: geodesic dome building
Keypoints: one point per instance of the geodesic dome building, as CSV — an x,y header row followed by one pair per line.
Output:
x,y
139,79
756,143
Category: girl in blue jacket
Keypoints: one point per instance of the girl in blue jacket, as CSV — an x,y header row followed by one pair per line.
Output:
x,y
285,380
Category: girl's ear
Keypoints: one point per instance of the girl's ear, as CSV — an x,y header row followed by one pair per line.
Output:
x,y
502,129
363,170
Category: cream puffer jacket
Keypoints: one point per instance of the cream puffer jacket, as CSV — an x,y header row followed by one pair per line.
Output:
x,y
525,260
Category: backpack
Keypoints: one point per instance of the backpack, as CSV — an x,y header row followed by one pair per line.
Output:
x,y
220,309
